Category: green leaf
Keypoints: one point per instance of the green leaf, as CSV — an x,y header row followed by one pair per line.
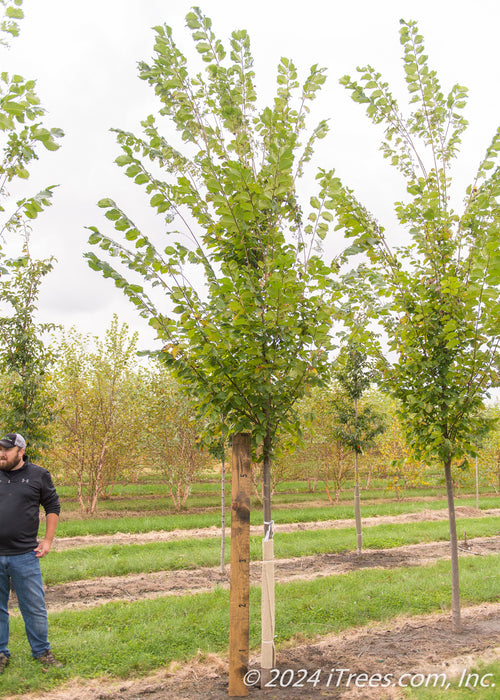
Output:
x,y
105,203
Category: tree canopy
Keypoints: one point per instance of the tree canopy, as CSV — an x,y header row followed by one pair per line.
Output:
x,y
248,337
437,296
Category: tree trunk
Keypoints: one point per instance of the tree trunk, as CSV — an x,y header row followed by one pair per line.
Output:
x,y
239,594
477,485
267,607
455,578
80,494
185,494
255,488
357,502
327,487
223,512
266,487
368,479
357,507
174,498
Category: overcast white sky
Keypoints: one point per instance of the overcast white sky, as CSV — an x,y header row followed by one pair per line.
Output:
x,y
84,56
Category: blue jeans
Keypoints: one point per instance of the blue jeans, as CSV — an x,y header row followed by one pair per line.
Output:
x,y
24,572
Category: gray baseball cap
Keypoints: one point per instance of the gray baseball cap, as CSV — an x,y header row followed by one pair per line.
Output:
x,y
13,440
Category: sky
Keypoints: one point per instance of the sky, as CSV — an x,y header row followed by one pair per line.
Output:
x,y
84,58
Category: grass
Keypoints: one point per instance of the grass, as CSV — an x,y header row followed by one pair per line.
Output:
x,y
123,640
185,521
155,486
155,496
119,560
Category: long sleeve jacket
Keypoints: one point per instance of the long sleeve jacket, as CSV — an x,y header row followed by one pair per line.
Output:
x,y
22,492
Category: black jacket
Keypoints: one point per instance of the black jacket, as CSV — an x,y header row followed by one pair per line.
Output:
x,y
22,492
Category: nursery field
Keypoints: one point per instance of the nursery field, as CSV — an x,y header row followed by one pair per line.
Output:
x,y
139,606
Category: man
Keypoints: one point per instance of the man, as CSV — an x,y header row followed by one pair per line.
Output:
x,y
24,487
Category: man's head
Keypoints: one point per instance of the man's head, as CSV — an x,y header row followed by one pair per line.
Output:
x,y
12,448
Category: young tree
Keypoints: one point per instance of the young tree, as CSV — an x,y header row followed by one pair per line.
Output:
x,y
217,447
21,133
99,421
24,358
354,429
397,464
489,451
439,296
9,24
22,353
251,332
172,434
322,450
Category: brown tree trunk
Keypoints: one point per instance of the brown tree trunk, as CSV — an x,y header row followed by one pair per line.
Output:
x,y
357,507
239,595
357,500
455,577
174,498
80,494
185,494
267,591
327,487
223,512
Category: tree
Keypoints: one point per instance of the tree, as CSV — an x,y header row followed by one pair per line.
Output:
x,y
11,14
489,455
251,333
354,429
95,435
217,447
323,453
398,464
24,358
439,297
22,353
21,133
171,434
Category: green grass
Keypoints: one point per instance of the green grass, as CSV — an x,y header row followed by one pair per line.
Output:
x,y
155,496
123,640
186,521
134,639
119,559
156,487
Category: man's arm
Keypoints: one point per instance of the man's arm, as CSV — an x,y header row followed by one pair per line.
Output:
x,y
44,546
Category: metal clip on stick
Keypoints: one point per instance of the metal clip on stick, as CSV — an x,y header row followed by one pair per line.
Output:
x,y
270,531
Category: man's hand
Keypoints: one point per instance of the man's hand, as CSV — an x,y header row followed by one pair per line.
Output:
x,y
44,546
43,549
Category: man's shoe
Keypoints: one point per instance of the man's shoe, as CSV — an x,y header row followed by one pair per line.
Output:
x,y
48,659
4,661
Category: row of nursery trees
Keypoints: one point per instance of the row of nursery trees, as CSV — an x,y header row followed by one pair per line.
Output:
x,y
250,333
103,416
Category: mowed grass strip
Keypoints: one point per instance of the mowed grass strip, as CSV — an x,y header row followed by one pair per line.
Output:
x,y
188,521
133,639
123,559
